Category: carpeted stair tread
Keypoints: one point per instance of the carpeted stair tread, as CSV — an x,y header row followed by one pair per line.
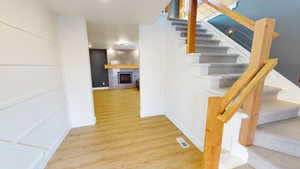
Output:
x,y
261,158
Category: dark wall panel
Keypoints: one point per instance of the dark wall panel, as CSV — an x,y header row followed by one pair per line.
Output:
x,y
99,74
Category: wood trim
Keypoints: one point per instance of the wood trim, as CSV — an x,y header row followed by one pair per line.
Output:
x,y
121,66
243,20
214,134
192,23
262,43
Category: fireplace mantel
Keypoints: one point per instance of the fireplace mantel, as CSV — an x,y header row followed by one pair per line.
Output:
x,y
121,66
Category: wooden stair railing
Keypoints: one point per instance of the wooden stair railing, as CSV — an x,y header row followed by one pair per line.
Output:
x,y
218,114
243,20
246,91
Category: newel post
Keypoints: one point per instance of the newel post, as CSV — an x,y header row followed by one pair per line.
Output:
x,y
261,47
192,24
213,134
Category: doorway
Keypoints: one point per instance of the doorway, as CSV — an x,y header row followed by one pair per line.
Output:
x,y
115,75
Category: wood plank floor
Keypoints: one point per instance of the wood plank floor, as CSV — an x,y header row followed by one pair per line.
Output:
x,y
121,140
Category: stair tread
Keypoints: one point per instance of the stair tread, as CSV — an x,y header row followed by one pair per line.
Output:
x,y
275,106
246,166
220,76
285,128
184,33
203,39
183,23
184,27
272,159
217,54
179,20
224,90
211,46
222,64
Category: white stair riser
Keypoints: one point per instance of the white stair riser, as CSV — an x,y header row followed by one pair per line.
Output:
x,y
269,118
277,143
270,95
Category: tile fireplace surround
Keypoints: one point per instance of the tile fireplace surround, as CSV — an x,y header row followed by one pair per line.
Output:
x,y
114,78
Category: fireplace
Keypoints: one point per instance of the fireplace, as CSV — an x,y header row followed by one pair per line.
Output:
x,y
125,77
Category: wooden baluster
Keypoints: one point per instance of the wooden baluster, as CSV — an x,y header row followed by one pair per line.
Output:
x,y
181,9
261,47
192,23
213,134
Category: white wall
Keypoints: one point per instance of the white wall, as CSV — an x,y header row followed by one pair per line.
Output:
x,y
32,101
128,56
73,41
167,83
152,69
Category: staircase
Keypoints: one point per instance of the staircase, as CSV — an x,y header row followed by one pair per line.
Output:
x,y
277,140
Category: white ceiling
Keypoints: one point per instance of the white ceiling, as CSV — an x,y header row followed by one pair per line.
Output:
x,y
105,36
110,21
110,11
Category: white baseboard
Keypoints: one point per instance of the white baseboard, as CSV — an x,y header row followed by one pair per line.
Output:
x,y
84,123
101,88
195,141
48,155
145,115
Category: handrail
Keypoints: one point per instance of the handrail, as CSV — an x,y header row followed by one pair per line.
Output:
x,y
238,86
243,20
233,108
217,116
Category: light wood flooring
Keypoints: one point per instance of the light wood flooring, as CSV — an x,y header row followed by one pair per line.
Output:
x,y
122,140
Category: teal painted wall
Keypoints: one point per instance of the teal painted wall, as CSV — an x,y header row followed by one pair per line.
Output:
x,y
287,46
174,12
